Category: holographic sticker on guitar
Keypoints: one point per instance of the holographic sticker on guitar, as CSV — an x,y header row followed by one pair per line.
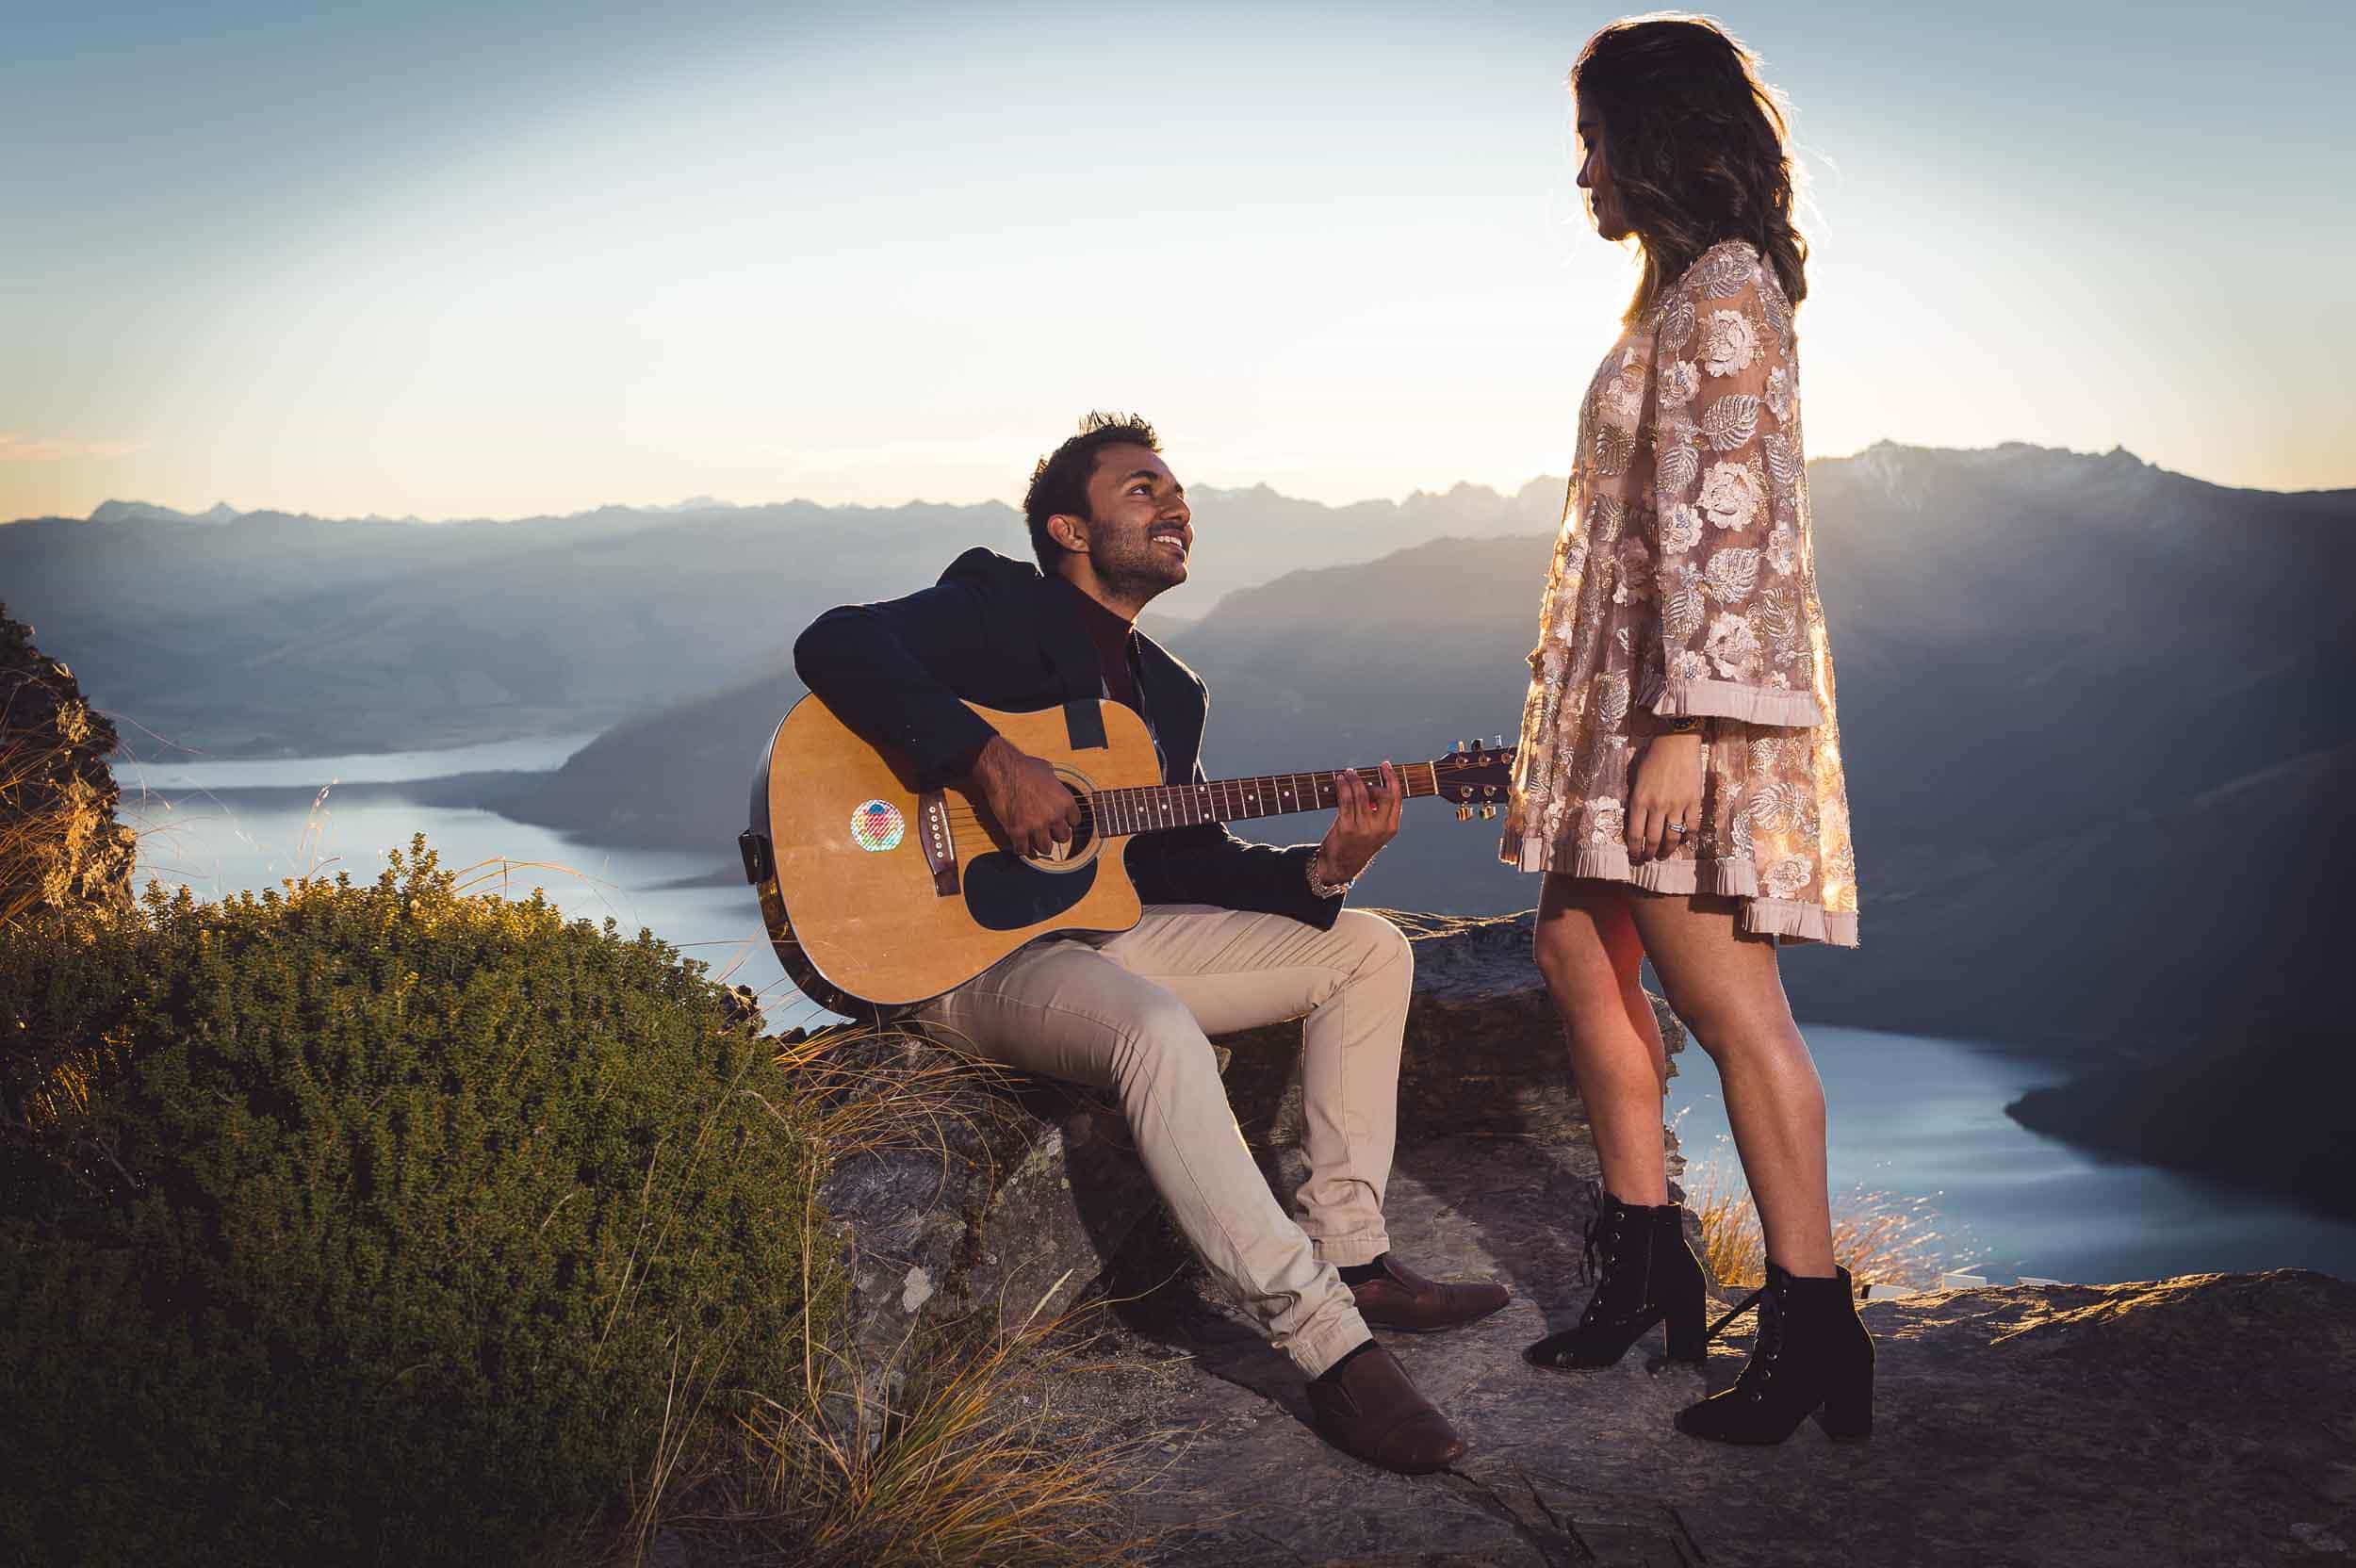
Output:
x,y
877,825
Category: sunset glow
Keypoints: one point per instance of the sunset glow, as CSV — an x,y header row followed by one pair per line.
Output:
x,y
450,262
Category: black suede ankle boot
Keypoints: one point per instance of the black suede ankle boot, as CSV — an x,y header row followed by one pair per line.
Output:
x,y
1649,1276
1812,1353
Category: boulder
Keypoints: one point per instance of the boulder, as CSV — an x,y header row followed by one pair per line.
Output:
x,y
1033,1195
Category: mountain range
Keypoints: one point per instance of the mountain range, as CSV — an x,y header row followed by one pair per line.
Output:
x,y
266,634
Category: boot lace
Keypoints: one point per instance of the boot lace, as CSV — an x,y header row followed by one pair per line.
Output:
x,y
1603,1237
1761,1366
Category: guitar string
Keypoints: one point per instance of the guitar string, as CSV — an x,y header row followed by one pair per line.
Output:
x,y
1275,784
966,816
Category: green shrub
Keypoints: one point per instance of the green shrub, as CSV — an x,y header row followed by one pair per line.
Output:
x,y
376,1223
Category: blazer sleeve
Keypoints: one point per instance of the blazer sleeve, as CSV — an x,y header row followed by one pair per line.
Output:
x,y
1728,488
1206,864
879,667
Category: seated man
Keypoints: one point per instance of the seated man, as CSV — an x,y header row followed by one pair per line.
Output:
x,y
1233,935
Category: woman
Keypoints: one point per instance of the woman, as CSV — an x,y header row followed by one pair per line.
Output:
x,y
1678,779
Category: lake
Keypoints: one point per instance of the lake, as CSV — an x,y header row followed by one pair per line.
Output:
x,y
1908,1115
223,827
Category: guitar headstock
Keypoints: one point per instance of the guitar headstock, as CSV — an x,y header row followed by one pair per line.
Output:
x,y
1475,775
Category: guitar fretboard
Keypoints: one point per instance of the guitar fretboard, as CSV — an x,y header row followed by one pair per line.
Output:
x,y
1144,810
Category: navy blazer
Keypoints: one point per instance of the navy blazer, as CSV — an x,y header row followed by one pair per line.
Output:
x,y
998,632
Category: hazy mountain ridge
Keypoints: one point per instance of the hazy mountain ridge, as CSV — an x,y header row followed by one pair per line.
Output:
x,y
271,632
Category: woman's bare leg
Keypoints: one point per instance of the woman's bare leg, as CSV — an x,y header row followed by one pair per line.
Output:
x,y
1588,951
1725,986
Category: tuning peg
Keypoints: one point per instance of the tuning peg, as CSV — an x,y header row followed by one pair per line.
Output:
x,y
1496,743
1488,813
1463,746
1463,813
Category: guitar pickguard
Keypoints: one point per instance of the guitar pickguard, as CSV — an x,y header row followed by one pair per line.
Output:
x,y
1005,892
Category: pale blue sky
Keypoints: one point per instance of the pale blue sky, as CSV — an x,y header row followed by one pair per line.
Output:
x,y
458,260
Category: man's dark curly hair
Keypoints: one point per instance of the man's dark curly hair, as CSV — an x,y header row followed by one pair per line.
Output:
x,y
1693,139
1060,485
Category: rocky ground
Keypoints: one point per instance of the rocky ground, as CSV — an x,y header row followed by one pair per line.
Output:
x,y
2199,1420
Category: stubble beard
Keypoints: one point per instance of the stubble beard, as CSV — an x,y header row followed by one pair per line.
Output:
x,y
1139,574
1142,581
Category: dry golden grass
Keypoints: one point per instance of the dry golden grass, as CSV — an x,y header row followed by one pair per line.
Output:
x,y
960,1448
1879,1237
973,1459
56,847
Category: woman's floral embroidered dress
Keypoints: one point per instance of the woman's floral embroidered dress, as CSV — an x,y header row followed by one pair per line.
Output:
x,y
1684,583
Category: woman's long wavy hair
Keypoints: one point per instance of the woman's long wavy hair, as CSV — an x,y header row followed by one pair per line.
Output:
x,y
1694,143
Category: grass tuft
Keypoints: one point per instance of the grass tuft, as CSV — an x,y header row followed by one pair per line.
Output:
x,y
60,847
968,1444
1879,1237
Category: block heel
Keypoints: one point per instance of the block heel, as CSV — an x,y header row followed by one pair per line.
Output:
x,y
1848,1413
1648,1275
1686,1340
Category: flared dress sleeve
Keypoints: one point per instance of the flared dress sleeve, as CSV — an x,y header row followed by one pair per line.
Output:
x,y
1727,493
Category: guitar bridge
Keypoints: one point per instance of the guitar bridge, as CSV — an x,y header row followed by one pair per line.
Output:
x,y
940,850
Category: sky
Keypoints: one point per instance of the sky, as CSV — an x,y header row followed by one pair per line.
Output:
x,y
457,260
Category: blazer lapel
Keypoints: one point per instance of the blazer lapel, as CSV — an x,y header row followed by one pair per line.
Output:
x,y
1174,699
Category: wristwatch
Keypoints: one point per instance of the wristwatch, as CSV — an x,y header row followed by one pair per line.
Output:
x,y
1319,888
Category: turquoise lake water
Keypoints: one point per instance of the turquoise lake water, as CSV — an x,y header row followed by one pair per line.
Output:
x,y
1911,1116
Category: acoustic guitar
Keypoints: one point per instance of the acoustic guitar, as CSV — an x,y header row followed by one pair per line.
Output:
x,y
879,896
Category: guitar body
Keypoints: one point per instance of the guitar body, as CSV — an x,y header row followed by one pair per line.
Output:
x,y
875,893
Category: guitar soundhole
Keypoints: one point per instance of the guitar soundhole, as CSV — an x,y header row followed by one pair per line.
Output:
x,y
1082,848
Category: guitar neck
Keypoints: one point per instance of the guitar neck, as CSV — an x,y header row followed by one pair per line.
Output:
x,y
1153,808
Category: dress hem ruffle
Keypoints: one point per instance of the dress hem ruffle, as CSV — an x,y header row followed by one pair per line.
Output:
x,y
1785,919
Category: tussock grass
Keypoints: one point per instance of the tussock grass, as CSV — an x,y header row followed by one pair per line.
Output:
x,y
884,1088
976,1458
59,842
966,1445
1880,1237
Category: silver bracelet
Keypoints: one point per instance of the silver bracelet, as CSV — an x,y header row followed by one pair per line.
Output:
x,y
1319,888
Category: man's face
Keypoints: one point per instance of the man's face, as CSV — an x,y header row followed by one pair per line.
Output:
x,y
1140,531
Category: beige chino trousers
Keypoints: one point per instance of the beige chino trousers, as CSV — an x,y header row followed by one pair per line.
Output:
x,y
1133,1013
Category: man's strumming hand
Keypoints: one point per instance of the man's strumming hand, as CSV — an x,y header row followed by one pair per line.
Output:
x,y
1031,805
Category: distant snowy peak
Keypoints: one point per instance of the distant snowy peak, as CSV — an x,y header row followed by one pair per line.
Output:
x,y
147,511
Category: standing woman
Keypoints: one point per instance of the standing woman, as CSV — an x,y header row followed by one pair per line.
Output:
x,y
1678,779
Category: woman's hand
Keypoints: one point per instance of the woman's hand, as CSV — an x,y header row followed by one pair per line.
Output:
x,y
1666,792
1366,821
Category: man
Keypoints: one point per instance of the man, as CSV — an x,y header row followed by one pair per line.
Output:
x,y
1233,935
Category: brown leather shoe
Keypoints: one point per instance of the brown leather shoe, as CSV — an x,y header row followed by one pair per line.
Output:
x,y
1369,1410
1401,1298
